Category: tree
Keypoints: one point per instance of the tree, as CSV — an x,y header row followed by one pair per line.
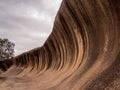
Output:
x,y
6,49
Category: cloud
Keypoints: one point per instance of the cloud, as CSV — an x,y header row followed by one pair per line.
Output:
x,y
27,23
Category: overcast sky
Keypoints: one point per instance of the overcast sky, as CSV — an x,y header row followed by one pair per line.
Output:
x,y
27,23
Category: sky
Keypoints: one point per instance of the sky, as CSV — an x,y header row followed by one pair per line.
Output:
x,y
27,23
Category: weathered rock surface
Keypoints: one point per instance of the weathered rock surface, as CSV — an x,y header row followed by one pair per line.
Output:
x,y
82,52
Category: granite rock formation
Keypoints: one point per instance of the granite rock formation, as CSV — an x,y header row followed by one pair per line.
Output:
x,y
82,52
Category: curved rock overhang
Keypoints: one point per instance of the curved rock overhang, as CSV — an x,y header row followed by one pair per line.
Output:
x,y
82,52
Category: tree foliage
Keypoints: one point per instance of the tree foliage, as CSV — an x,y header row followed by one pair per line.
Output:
x,y
6,49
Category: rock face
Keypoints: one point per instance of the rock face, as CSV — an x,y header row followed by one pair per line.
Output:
x,y
82,53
